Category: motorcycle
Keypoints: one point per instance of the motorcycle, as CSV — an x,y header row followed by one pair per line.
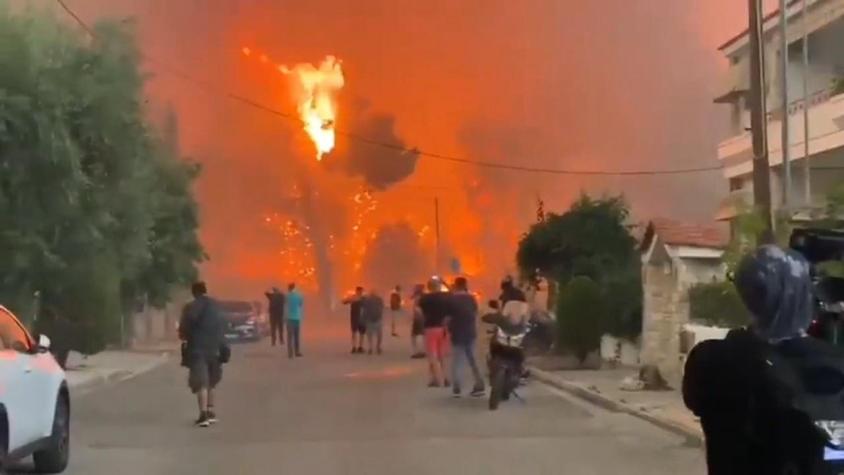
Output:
x,y
506,364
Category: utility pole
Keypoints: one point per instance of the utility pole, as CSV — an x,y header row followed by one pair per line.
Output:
x,y
786,152
437,235
758,120
807,168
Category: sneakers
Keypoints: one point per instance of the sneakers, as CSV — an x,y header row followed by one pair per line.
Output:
x,y
203,420
456,395
212,417
478,391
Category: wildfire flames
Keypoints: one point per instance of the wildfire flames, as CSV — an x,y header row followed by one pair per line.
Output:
x,y
314,90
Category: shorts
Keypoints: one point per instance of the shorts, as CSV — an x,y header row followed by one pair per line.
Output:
x,y
418,328
357,326
436,342
373,328
205,372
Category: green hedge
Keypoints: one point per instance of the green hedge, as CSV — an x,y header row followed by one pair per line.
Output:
x,y
581,317
717,304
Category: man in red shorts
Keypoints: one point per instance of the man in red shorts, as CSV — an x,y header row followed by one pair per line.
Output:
x,y
435,307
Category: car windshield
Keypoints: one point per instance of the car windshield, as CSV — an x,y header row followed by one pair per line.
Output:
x,y
188,188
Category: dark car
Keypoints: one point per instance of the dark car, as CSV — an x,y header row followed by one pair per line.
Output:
x,y
242,321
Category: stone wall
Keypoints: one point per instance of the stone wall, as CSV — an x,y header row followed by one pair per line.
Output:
x,y
666,310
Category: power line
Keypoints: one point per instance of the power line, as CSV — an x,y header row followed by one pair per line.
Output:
x,y
208,87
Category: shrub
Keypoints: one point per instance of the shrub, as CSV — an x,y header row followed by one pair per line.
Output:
x,y
623,298
717,304
581,311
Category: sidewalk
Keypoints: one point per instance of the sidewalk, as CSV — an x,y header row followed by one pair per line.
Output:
x,y
602,388
86,374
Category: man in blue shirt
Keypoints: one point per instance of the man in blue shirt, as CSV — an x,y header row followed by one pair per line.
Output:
x,y
294,306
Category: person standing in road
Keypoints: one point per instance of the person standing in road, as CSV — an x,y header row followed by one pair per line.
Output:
x,y
462,321
276,305
417,330
373,317
395,309
294,310
435,308
355,303
202,328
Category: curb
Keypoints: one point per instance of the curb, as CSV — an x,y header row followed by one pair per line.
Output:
x,y
116,376
693,435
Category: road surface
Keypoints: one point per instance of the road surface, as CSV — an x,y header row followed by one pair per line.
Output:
x,y
334,413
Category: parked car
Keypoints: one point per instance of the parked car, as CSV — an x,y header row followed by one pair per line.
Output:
x,y
263,319
242,321
34,400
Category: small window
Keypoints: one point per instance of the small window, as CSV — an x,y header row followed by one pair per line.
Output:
x,y
12,334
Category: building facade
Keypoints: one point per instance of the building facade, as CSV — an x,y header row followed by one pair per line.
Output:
x,y
825,78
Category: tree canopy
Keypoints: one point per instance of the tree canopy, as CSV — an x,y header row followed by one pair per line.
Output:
x,y
590,240
96,203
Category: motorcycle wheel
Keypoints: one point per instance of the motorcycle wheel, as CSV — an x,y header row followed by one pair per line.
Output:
x,y
497,381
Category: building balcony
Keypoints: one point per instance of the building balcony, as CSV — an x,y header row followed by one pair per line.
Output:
x,y
826,132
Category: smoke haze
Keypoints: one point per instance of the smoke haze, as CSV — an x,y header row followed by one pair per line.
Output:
x,y
578,85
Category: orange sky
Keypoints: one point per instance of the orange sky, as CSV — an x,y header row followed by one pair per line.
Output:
x,y
599,84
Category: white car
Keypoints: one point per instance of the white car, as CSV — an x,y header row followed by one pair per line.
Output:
x,y
34,400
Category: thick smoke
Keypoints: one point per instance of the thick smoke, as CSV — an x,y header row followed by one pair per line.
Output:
x,y
383,158
382,266
609,84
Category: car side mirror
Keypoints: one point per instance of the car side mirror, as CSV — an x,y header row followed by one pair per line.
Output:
x,y
44,343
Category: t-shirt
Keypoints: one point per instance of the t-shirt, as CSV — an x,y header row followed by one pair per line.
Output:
x,y
435,308
277,304
202,326
512,293
395,301
295,302
463,313
373,309
356,308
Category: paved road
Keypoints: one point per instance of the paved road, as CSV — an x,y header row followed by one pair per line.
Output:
x,y
331,413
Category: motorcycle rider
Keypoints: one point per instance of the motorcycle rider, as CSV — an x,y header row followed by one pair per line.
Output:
x,y
510,292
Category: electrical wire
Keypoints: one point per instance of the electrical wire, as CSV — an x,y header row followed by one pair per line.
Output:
x,y
208,87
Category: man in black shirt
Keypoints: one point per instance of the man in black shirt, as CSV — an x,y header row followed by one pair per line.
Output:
x,y
462,328
435,308
355,303
276,306
202,328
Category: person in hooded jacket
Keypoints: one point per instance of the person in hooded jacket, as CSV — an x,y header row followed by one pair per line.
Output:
x,y
748,415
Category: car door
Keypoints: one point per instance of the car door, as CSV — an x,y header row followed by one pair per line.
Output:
x,y
19,383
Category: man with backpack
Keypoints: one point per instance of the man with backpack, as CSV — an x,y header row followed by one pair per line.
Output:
x,y
202,329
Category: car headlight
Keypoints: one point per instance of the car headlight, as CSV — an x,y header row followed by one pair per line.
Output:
x,y
834,431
